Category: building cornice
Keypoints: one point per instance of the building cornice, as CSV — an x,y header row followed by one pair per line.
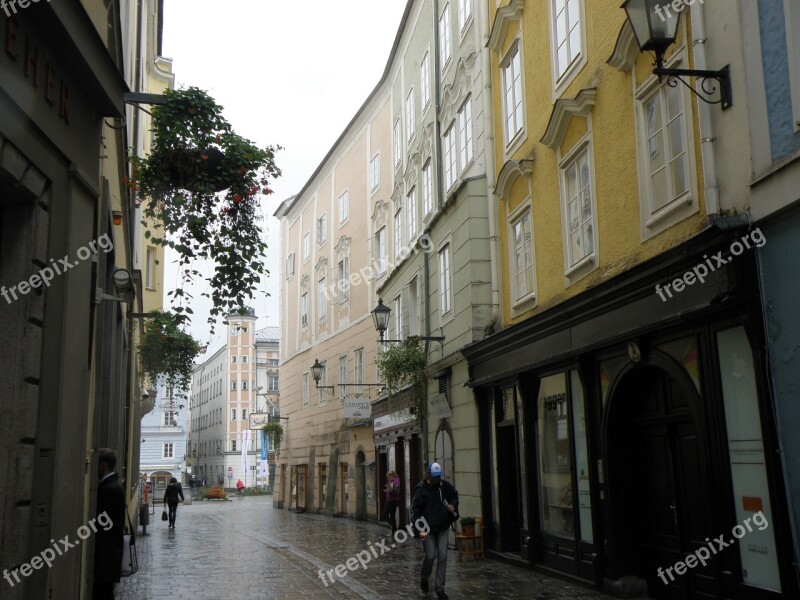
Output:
x,y
563,111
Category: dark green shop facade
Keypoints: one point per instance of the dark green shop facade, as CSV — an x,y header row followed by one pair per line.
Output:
x,y
621,433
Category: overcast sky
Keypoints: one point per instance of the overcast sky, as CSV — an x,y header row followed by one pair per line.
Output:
x,y
287,73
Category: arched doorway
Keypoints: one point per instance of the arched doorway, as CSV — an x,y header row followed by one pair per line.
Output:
x,y
659,501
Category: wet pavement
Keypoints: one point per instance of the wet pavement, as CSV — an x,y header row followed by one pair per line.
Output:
x,y
245,549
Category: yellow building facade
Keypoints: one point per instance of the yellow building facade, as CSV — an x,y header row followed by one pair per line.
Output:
x,y
610,394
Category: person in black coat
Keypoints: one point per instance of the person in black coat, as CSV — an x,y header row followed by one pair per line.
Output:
x,y
108,544
171,495
435,501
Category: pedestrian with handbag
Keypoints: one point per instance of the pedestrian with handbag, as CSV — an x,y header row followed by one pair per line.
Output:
x,y
108,543
436,501
392,490
171,495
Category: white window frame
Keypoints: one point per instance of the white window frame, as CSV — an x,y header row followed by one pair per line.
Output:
x,y
410,117
322,301
425,81
233,359
374,172
380,250
465,143
150,277
322,229
445,281
445,38
168,450
170,418
304,309
398,145
233,414
398,316
450,157
398,231
464,14
563,77
574,270
233,386
358,368
233,445
509,65
323,397
344,207
306,246
304,389
522,213
290,265
343,280
270,379
679,207
244,385
411,214
427,187
343,375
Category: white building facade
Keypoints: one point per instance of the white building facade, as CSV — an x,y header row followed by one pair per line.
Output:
x,y
164,436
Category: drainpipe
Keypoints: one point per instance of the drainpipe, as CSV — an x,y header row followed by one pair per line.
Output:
x,y
491,180
437,92
707,139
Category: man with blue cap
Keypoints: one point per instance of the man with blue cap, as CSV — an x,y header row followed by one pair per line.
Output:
x,y
436,501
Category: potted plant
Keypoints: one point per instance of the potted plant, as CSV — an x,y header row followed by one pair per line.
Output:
x,y
467,525
275,432
403,366
166,351
195,156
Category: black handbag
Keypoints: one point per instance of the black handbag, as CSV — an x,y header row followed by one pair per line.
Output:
x,y
164,515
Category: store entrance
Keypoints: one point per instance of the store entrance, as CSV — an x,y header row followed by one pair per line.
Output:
x,y
661,504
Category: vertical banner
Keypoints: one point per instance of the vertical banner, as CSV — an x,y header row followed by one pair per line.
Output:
x,y
245,440
264,464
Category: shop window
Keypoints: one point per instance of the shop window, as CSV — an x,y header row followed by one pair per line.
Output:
x,y
557,494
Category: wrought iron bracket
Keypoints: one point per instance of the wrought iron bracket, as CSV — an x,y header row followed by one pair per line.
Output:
x,y
708,89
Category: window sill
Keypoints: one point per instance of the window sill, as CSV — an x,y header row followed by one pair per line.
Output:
x,y
523,304
580,266
569,75
514,144
668,210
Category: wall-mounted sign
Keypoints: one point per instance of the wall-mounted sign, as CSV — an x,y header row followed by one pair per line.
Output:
x,y
357,408
393,420
258,420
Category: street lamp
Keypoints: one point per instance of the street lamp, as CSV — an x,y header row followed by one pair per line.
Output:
x,y
656,28
380,316
318,370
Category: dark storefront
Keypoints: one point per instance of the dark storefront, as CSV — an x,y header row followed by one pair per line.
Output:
x,y
398,446
621,433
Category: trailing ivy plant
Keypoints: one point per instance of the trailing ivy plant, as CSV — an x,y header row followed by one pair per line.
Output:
x,y
201,184
167,351
275,432
402,366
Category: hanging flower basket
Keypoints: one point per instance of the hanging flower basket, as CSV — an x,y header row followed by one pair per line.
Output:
x,y
402,366
166,351
275,432
202,185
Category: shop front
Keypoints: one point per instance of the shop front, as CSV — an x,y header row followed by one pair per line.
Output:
x,y
621,434
398,444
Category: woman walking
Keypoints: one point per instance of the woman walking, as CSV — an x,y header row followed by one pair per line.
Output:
x,y
392,499
171,495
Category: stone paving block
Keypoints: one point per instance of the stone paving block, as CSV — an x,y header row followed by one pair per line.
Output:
x,y
247,549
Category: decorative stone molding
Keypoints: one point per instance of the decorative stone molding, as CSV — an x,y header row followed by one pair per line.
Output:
x,y
322,265
379,213
563,111
342,248
426,143
505,15
456,92
625,50
508,175
304,281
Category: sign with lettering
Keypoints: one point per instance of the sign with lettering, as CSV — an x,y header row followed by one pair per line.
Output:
x,y
393,420
258,420
357,408
440,408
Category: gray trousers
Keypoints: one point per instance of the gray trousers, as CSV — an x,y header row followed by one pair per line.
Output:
x,y
435,542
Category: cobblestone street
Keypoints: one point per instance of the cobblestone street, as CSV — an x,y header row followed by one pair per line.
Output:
x,y
246,549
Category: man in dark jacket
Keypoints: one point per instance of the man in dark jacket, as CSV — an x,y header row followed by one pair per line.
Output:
x,y
171,495
436,501
108,543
